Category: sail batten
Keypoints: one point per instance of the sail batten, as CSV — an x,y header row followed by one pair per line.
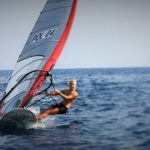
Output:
x,y
55,9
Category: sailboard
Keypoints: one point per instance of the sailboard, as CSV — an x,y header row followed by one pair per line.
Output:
x,y
17,120
40,53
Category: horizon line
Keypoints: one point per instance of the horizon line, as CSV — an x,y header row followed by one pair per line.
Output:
x,y
91,68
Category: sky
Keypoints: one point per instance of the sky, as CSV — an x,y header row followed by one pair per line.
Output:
x,y
105,33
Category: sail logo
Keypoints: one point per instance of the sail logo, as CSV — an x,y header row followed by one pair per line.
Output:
x,y
43,35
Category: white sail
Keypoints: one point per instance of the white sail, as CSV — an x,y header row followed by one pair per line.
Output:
x,y
40,52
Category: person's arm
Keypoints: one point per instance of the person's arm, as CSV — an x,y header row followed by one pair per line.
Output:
x,y
53,93
67,97
41,93
50,93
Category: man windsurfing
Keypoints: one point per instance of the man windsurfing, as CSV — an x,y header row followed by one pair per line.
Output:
x,y
69,96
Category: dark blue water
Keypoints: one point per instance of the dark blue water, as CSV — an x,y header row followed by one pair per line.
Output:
x,y
112,112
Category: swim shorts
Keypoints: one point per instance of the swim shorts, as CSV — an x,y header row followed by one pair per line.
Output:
x,y
62,108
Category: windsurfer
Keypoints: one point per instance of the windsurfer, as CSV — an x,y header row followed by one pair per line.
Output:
x,y
68,95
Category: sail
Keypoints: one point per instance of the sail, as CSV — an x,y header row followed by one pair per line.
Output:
x,y
41,51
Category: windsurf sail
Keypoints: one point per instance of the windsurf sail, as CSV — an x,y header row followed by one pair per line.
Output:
x,y
40,53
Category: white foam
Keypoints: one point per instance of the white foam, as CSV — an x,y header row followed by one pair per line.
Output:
x,y
44,123
34,109
47,122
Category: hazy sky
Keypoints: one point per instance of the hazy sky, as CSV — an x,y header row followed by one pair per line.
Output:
x,y
105,33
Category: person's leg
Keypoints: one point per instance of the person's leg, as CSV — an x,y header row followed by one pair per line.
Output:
x,y
49,111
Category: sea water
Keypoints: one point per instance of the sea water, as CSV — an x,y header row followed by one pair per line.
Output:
x,y
112,112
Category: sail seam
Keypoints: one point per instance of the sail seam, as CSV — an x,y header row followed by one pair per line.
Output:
x,y
33,47
55,9
54,1
24,67
29,57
